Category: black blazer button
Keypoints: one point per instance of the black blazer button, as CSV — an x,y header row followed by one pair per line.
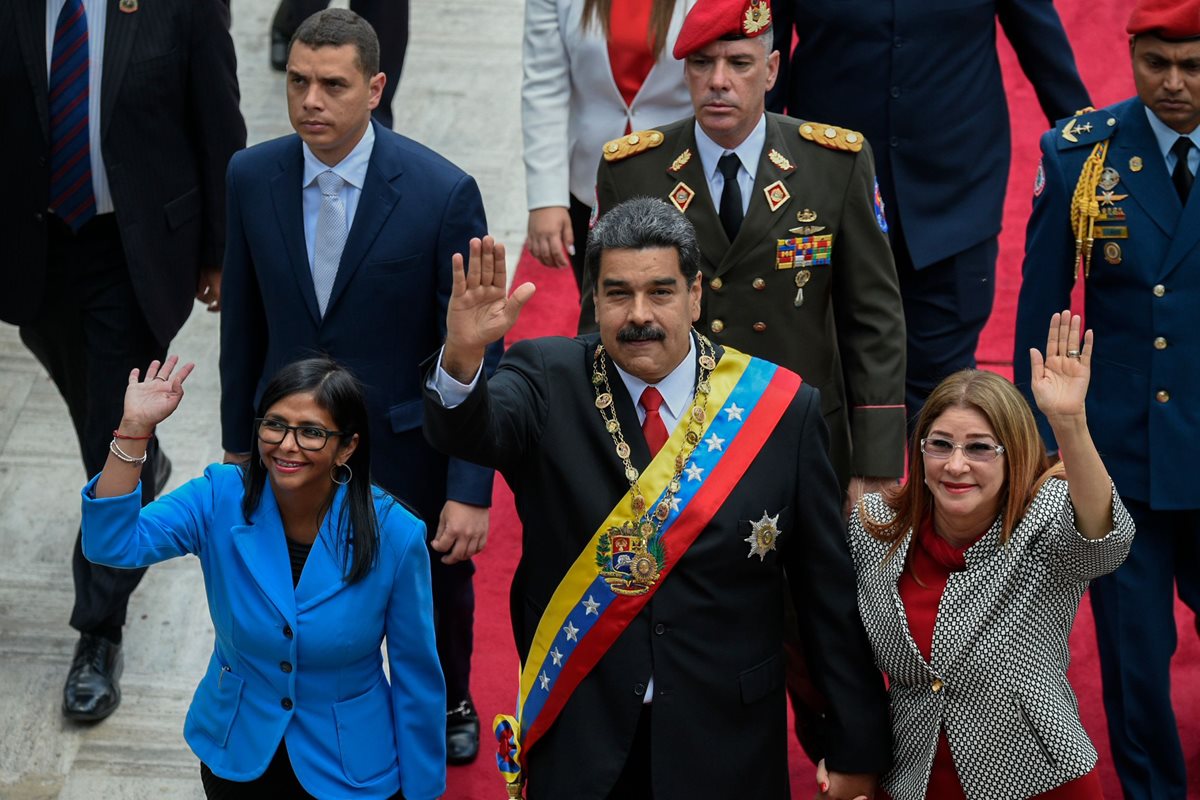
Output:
x,y
660,629
639,689
287,631
286,666
286,703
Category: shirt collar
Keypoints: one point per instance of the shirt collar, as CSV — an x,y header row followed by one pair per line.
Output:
x,y
1165,136
352,169
748,152
676,389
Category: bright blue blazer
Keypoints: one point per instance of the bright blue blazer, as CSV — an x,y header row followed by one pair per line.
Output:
x,y
300,663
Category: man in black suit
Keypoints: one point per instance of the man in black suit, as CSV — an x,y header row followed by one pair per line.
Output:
x,y
651,632
121,118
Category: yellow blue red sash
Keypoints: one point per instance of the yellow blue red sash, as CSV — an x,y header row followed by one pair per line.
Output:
x,y
747,398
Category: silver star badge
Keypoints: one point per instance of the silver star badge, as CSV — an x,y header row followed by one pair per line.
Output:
x,y
544,680
572,632
693,472
714,442
763,536
592,606
734,412
557,657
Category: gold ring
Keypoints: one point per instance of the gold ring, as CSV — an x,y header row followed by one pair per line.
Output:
x,y
1072,354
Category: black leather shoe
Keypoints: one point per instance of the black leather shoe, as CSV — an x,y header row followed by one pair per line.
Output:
x,y
462,733
279,51
92,692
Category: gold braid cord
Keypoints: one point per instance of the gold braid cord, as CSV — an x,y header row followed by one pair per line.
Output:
x,y
1085,207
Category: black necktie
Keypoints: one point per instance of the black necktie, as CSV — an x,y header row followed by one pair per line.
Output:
x,y
1182,176
731,195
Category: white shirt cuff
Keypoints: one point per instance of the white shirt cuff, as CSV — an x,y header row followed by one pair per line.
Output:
x,y
450,392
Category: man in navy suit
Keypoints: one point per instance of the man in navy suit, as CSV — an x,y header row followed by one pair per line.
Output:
x,y
922,81
339,242
1121,181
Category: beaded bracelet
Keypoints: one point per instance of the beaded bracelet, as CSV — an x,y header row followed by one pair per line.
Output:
x,y
116,450
119,435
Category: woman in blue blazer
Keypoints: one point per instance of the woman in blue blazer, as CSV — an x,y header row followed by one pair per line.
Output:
x,y
294,702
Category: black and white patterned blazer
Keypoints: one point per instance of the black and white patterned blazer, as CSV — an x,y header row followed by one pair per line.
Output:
x,y
997,680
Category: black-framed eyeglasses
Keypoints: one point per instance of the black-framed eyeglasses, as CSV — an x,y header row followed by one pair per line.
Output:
x,y
936,447
308,437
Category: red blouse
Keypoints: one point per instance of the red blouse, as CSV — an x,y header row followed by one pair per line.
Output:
x,y
629,49
931,559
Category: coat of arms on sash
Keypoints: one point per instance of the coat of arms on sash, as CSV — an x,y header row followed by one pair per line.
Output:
x,y
629,562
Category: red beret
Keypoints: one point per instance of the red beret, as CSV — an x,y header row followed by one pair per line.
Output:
x,y
1166,19
710,20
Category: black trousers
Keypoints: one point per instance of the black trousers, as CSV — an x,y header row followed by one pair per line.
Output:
x,y
581,216
636,781
279,781
89,333
389,18
454,623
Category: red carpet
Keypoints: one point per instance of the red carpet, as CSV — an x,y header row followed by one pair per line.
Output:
x,y
1096,29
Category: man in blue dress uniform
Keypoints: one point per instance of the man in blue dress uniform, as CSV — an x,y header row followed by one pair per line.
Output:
x,y
1115,202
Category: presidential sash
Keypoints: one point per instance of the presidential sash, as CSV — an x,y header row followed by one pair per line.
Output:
x,y
594,602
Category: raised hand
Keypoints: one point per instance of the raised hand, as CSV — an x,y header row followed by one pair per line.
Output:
x,y
480,310
1060,380
151,400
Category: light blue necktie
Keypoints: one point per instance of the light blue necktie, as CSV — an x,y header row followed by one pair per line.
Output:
x,y
331,237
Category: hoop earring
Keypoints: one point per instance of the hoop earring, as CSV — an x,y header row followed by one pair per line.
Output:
x,y
334,475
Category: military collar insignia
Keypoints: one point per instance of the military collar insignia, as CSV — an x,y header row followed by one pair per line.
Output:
x,y
680,161
681,196
777,195
778,159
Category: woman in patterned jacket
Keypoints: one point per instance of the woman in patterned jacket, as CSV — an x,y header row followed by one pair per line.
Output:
x,y
969,577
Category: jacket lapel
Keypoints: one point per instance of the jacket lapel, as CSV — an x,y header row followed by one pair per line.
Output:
x,y
379,196
323,574
758,211
263,550
702,210
891,570
119,35
31,33
984,558
1150,187
286,193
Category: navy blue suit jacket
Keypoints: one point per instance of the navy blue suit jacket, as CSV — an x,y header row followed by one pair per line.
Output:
x,y
922,81
386,313
1141,298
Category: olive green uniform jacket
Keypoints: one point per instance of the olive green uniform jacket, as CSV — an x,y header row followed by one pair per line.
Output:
x,y
846,334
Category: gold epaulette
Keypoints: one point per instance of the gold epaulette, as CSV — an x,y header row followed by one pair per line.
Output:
x,y
832,136
1085,207
631,145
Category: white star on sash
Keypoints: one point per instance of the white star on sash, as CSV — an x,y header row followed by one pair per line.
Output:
x,y
572,632
734,411
674,503
544,680
693,472
592,606
556,657
714,442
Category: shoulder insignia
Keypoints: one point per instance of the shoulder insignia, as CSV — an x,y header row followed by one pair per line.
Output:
x,y
831,136
1087,127
631,145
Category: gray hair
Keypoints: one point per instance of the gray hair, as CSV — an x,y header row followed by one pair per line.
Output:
x,y
335,27
641,223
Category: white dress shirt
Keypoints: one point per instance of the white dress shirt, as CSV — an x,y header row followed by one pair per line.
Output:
x,y
96,11
1166,140
748,153
352,169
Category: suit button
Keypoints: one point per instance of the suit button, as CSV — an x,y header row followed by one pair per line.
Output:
x,y
660,629
717,326
895,91
759,327
895,141
286,703
285,666
639,689
716,284
1159,290
39,217
759,284
897,42
287,631
1162,395
1160,343
937,685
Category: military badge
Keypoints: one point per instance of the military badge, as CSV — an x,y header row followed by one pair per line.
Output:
x,y
1135,164
807,215
681,196
1107,198
629,562
763,537
757,17
1073,130
1039,180
680,161
128,6
1110,232
1112,252
879,215
806,230
777,195
1109,179
804,251
777,158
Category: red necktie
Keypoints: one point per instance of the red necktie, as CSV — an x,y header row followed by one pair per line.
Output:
x,y
652,426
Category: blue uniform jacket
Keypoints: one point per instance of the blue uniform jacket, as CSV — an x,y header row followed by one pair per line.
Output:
x,y
1142,298
301,662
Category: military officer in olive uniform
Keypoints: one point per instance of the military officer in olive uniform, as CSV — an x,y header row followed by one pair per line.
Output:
x,y
1115,203
792,234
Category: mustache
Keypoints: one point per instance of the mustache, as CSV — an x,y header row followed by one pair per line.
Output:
x,y
641,333
717,98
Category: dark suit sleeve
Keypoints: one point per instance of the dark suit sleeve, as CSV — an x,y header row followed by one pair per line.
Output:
x,y
1048,273
607,197
463,219
243,330
870,329
218,129
1036,33
857,731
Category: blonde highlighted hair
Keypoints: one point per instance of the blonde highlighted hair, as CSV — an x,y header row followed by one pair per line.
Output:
x,y
1026,465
